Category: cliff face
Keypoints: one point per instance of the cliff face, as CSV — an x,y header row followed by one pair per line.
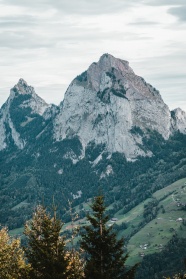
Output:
x,y
104,103
107,104
178,120
21,108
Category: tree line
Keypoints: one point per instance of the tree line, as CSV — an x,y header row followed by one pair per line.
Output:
x,y
48,256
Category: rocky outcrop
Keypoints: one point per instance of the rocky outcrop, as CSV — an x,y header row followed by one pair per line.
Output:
x,y
106,102
33,101
20,108
178,120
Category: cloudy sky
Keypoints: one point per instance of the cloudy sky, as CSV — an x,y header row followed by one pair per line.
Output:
x,y
49,42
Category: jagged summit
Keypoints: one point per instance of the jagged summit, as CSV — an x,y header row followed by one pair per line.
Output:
x,y
179,110
107,66
178,120
112,75
29,97
22,106
108,61
22,82
23,88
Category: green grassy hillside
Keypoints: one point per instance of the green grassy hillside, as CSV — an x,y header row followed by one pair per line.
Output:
x,y
154,235
146,236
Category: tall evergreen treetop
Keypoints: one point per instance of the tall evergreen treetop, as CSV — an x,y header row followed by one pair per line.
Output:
x,y
46,249
105,254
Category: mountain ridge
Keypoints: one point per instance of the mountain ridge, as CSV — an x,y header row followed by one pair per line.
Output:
x,y
102,105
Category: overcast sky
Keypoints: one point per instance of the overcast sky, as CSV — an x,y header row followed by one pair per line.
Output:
x,y
49,42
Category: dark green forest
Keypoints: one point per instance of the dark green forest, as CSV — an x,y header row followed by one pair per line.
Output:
x,y
33,176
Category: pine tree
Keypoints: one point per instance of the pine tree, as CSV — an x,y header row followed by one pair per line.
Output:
x,y
12,260
105,259
46,248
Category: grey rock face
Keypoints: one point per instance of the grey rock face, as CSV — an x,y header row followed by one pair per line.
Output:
x,y
108,104
22,103
36,104
104,103
178,120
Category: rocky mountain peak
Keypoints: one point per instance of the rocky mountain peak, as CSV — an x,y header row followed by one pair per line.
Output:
x,y
112,75
23,88
22,82
25,96
106,70
20,109
178,120
107,62
179,112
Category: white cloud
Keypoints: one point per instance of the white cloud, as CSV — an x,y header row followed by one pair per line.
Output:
x,y
179,12
80,7
48,43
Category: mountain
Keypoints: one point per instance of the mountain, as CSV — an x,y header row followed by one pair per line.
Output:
x,y
22,107
105,102
111,133
102,106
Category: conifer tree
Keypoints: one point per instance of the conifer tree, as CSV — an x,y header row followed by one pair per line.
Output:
x,y
46,248
105,259
12,260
